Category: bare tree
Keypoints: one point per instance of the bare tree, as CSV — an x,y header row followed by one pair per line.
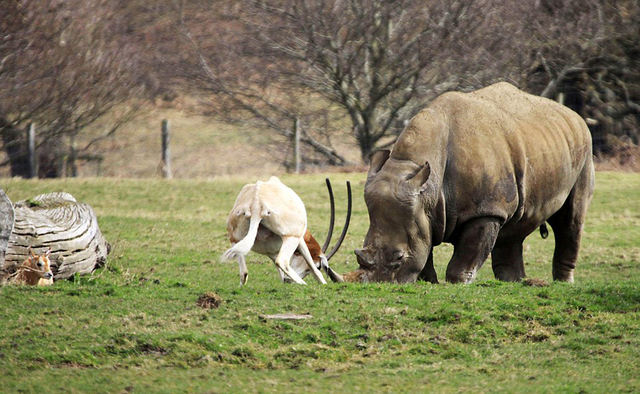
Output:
x,y
359,68
586,54
374,63
64,66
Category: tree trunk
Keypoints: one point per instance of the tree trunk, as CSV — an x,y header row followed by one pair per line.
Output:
x,y
51,159
72,165
13,141
366,146
59,222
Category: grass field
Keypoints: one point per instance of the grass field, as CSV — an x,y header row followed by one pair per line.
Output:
x,y
134,326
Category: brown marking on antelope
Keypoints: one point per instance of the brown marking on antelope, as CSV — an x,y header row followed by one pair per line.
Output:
x,y
314,247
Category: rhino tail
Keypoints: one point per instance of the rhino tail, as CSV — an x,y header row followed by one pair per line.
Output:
x,y
544,232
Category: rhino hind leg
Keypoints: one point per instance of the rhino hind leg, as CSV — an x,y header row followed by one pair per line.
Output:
x,y
471,249
567,226
567,236
507,262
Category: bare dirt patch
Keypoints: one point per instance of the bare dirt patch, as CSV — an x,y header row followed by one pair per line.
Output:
x,y
535,282
209,300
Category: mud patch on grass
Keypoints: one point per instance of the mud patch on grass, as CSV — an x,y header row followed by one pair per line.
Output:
x,y
534,282
209,300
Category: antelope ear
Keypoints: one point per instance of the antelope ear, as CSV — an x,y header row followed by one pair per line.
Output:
x,y
47,253
376,161
31,252
419,180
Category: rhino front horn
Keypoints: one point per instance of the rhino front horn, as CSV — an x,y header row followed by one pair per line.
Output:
x,y
365,257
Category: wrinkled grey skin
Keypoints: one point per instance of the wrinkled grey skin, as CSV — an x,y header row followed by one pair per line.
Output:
x,y
481,171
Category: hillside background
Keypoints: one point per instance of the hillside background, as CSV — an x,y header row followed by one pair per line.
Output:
x,y
94,79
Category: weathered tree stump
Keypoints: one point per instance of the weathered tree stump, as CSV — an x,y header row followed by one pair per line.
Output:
x,y
6,224
59,222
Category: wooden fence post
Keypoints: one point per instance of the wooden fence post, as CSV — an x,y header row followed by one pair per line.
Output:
x,y
166,154
7,218
31,150
296,144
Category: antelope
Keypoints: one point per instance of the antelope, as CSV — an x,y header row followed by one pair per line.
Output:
x,y
270,219
36,270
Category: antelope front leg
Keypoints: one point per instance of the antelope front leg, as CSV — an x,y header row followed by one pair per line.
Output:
x,y
289,246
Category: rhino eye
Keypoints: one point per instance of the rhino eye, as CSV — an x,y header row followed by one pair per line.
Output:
x,y
397,255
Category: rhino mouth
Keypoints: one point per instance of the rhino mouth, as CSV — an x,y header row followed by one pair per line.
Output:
x,y
357,276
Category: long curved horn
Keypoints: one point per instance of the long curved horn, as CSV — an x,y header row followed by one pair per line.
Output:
x,y
346,224
334,276
333,217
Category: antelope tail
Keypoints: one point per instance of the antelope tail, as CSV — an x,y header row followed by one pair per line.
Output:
x,y
244,246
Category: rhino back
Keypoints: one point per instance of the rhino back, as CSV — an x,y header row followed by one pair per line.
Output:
x,y
499,152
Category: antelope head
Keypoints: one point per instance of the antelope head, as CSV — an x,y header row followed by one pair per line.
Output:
x,y
319,254
38,265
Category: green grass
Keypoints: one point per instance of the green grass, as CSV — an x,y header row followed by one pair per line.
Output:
x,y
134,326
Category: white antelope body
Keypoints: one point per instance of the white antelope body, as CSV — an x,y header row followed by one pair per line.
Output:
x,y
270,218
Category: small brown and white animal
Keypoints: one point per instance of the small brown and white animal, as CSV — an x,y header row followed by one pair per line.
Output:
x,y
270,218
36,270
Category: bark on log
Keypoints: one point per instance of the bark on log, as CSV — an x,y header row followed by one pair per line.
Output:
x,y
59,222
6,224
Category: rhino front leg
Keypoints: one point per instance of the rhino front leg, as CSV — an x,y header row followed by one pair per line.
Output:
x,y
472,248
428,273
507,262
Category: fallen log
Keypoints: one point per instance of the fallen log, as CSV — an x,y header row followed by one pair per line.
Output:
x,y
58,222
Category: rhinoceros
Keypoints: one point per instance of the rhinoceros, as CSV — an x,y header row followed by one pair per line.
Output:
x,y
482,171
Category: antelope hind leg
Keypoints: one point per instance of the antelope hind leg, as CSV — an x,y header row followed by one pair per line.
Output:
x,y
242,268
289,246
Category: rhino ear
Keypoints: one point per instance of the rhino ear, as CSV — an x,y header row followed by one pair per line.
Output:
x,y
419,180
377,160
